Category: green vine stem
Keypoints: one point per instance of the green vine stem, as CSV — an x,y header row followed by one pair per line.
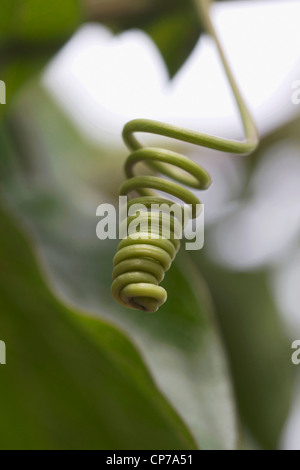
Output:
x,y
225,145
139,265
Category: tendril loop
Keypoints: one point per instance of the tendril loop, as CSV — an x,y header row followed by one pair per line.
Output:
x,y
140,263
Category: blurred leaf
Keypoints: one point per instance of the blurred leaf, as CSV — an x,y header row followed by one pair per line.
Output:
x,y
31,31
172,24
37,20
71,382
180,343
175,33
258,348
122,10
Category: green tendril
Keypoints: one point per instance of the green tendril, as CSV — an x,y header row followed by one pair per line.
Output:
x,y
140,264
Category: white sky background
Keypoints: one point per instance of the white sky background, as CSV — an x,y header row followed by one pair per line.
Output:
x,y
102,81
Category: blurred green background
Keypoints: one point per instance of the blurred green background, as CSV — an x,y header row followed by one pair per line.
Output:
x,y
212,369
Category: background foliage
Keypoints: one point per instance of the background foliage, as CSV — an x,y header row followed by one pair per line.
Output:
x,y
82,372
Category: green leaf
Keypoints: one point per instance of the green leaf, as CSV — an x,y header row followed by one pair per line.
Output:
x,y
175,33
31,31
181,343
37,20
172,24
258,348
70,382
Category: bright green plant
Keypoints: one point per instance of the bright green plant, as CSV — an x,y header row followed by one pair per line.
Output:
x,y
83,372
136,265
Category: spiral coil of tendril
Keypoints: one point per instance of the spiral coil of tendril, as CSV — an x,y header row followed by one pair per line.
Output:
x,y
140,263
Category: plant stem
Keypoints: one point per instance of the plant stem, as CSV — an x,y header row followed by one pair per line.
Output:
x,y
203,7
218,143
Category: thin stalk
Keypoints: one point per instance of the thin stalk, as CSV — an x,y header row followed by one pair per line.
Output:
x,y
209,141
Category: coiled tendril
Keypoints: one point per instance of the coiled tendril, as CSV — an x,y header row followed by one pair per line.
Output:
x,y
140,264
